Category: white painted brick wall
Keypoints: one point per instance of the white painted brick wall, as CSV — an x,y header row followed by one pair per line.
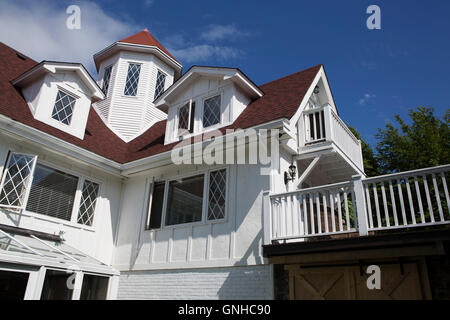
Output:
x,y
233,283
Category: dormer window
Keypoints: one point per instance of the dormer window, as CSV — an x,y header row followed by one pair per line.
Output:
x,y
63,108
132,82
160,84
106,79
186,118
211,111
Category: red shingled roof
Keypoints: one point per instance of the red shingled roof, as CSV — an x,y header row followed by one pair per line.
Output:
x,y
281,99
144,37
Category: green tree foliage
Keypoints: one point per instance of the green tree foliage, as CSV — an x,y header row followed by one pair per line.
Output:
x,y
423,143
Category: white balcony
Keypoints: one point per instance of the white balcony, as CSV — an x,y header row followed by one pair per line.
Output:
x,y
405,200
325,137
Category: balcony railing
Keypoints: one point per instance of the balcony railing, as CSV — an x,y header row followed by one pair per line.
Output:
x,y
417,198
324,125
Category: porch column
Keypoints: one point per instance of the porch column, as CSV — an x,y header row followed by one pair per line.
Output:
x,y
267,220
360,202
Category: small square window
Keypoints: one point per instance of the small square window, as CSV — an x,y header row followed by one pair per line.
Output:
x,y
106,79
132,82
160,84
211,111
63,109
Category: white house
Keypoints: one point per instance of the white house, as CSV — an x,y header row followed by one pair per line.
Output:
x,y
93,206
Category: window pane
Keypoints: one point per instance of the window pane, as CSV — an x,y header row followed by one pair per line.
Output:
x,y
94,287
13,285
183,119
157,205
132,79
160,83
185,200
87,203
63,109
211,112
55,286
17,174
217,194
52,193
106,78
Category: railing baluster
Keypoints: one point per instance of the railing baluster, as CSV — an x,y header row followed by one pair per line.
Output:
x,y
427,194
319,220
332,213
295,216
446,191
289,213
438,198
274,218
386,212
411,205
314,127
377,207
394,206
305,214
402,203
311,213
341,227
325,210
347,212
369,206
320,124
419,199
282,217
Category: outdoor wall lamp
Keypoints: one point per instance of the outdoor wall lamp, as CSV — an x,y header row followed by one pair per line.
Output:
x,y
290,175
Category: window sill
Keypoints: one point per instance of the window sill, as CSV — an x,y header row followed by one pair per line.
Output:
x,y
50,219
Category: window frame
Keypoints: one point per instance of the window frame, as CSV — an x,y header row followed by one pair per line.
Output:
x,y
156,83
205,203
76,203
109,80
191,125
206,97
129,62
70,94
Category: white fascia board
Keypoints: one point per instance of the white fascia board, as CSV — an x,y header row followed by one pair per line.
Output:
x,y
301,107
54,67
48,141
137,47
225,73
141,165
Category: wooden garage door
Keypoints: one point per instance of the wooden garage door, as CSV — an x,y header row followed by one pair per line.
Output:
x,y
346,283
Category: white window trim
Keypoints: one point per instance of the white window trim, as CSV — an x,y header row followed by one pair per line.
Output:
x,y
156,82
29,182
74,215
184,134
204,220
128,62
110,79
221,122
69,93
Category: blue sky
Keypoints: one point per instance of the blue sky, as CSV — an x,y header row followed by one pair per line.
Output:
x,y
374,74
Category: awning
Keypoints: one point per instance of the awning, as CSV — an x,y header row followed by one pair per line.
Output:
x,y
34,251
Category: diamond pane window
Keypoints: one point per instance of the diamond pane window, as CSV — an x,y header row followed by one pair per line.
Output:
x,y
160,83
183,119
106,78
132,82
217,194
63,109
16,180
88,202
211,111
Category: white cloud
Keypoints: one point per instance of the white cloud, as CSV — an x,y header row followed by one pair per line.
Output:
x,y
149,3
366,98
38,29
204,52
221,32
